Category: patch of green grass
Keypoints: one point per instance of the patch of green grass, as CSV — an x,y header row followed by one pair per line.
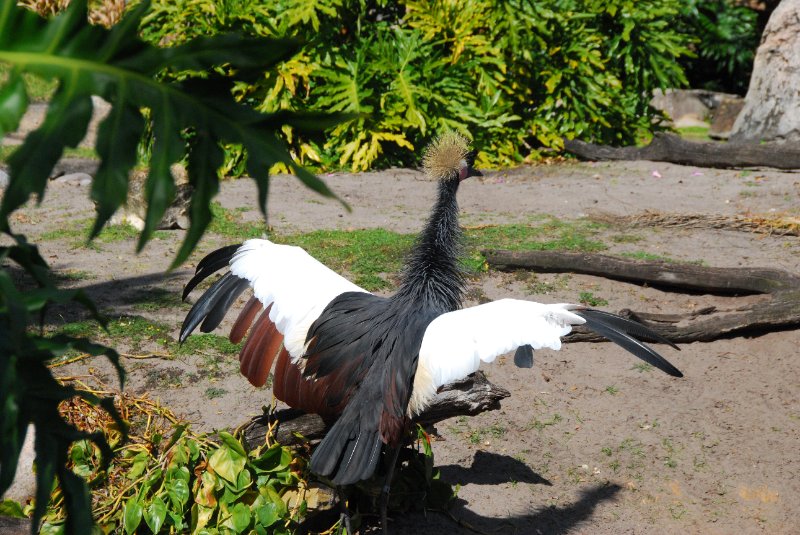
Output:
x,y
677,510
77,232
228,223
550,234
670,459
650,257
115,233
208,343
642,367
630,454
475,437
694,133
370,255
644,255
537,287
214,392
157,299
626,238
589,299
78,152
613,390
74,275
497,431
68,231
134,330
540,425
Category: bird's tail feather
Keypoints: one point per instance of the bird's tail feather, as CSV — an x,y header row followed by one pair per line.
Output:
x,y
350,451
626,333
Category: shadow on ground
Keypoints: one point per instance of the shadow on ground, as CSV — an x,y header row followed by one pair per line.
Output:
x,y
553,520
491,469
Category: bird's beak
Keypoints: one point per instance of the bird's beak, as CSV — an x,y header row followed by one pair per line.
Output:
x,y
471,171
468,171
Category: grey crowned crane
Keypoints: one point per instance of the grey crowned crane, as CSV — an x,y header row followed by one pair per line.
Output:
x,y
367,364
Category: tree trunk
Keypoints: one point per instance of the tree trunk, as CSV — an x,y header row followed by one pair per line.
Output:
x,y
772,105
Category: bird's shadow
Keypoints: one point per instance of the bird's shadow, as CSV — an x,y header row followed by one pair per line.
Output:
x,y
492,469
550,520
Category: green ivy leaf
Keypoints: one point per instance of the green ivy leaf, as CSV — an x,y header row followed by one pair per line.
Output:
x,y
267,514
178,493
227,463
274,459
231,441
139,465
240,517
131,515
11,508
155,514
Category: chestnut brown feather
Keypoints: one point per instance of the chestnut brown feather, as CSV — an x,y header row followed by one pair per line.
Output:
x,y
245,320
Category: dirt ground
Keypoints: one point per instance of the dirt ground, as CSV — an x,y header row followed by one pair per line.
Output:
x,y
587,443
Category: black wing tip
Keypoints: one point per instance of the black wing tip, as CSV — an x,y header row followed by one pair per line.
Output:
x,y
620,322
211,263
626,333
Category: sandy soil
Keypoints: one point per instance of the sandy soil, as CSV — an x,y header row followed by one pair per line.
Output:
x,y
587,443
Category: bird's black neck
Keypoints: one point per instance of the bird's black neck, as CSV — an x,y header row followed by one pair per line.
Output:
x,y
432,273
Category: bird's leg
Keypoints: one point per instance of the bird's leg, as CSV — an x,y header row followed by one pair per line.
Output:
x,y
384,504
344,513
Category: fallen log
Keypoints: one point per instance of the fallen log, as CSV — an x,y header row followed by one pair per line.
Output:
x,y
290,427
674,149
780,308
660,273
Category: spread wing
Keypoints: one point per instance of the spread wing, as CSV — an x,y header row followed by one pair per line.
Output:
x,y
457,342
290,286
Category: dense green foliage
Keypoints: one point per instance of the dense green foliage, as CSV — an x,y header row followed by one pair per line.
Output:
x,y
726,37
185,483
116,64
515,75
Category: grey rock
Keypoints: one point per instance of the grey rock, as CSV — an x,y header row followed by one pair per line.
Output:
x,y
772,106
75,179
68,166
724,118
689,107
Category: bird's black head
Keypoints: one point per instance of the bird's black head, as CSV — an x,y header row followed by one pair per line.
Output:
x,y
448,158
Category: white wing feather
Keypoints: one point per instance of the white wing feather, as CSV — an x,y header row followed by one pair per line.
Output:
x,y
297,285
455,343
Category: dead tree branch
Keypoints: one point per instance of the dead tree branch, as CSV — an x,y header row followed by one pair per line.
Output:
x,y
672,148
467,397
780,309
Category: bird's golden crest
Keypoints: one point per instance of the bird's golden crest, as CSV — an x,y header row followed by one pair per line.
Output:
x,y
445,155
